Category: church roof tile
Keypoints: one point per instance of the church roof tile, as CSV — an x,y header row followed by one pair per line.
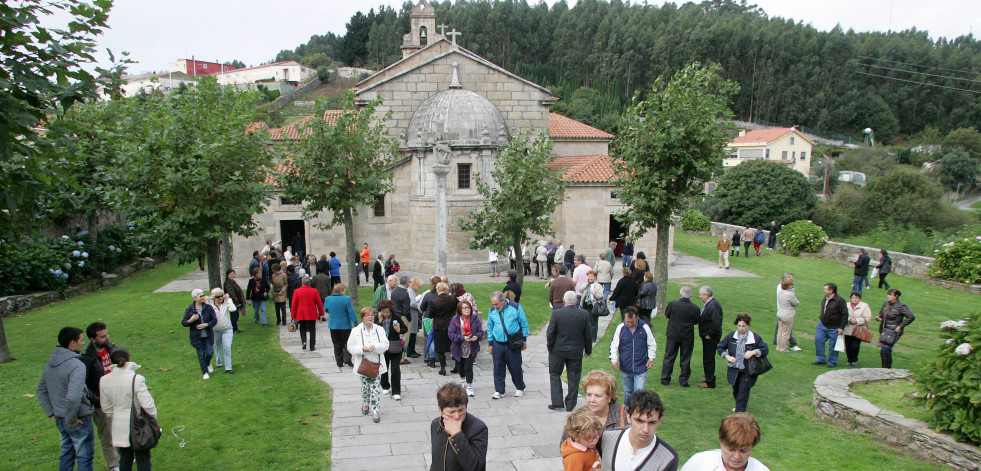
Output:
x,y
562,127
293,130
584,168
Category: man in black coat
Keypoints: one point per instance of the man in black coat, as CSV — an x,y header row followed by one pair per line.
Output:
x,y
831,324
568,336
400,296
682,316
861,272
710,330
624,294
513,286
96,360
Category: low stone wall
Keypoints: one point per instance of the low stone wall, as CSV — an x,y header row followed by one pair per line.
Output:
x,y
834,401
902,263
10,305
287,98
976,289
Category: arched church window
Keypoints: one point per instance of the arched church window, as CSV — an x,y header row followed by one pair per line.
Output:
x,y
423,38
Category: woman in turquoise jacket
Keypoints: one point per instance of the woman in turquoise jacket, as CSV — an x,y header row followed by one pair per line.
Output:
x,y
342,319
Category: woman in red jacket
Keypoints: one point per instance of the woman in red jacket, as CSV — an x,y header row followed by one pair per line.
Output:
x,y
306,308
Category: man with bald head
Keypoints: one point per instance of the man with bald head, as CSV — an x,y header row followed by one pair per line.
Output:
x,y
568,337
682,316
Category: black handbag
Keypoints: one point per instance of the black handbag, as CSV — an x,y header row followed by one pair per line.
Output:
x,y
144,432
888,336
601,309
516,341
757,365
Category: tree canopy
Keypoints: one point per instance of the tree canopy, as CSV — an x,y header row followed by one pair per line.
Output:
x,y
756,192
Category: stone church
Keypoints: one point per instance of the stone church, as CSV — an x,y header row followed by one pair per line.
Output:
x,y
451,109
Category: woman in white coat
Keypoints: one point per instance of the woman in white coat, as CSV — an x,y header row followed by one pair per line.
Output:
x,y
116,390
223,306
368,341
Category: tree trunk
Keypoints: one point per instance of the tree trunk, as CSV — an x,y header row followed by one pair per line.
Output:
x,y
661,262
91,222
214,270
352,256
226,253
4,351
519,261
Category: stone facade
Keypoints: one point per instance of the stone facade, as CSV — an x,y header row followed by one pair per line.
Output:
x,y
834,401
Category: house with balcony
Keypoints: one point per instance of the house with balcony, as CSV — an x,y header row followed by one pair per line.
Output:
x,y
785,145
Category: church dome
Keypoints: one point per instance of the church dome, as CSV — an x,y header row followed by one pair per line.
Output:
x,y
460,117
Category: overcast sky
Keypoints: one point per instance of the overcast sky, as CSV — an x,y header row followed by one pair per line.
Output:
x,y
157,33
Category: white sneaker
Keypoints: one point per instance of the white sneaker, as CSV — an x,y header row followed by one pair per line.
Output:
x,y
519,393
397,397
796,348
470,392
463,383
497,395
386,391
205,376
210,369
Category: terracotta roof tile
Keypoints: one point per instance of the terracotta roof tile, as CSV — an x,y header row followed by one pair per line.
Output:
x,y
561,127
763,136
584,168
292,131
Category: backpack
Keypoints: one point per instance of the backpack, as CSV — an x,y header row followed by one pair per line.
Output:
x,y
759,237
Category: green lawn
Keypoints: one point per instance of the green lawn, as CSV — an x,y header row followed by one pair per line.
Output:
x,y
249,420
793,436
976,205
893,395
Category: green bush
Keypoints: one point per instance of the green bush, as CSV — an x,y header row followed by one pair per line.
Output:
x,y
958,261
950,385
802,236
911,239
694,220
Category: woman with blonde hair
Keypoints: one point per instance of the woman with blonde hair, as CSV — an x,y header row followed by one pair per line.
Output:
x,y
367,343
787,303
224,307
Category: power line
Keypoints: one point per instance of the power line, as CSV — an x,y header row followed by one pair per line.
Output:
x,y
918,65
918,83
921,73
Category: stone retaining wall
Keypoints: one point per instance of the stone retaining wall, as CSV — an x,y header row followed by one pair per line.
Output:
x,y
834,401
10,305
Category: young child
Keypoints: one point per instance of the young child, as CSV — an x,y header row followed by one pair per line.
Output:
x,y
584,429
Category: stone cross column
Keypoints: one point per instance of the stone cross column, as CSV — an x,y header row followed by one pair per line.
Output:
x,y
441,168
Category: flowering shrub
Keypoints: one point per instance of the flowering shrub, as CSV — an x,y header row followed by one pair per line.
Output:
x,y
950,385
958,261
802,236
694,220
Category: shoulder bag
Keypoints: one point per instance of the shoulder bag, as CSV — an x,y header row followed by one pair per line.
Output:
x,y
888,336
600,307
394,346
367,367
862,333
144,432
516,341
294,324
758,365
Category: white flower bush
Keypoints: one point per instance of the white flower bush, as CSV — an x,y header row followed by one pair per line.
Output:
x,y
963,349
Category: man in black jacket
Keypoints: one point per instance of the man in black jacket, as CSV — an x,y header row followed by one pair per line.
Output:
x,y
568,336
400,296
861,272
96,360
834,318
682,316
710,330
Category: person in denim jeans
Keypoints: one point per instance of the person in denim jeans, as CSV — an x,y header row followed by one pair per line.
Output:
x,y
632,351
62,395
497,340
258,292
831,324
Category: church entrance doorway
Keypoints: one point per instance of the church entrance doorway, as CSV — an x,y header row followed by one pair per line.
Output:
x,y
617,234
294,235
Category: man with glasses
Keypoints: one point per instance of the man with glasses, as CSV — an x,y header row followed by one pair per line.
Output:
x,y
505,316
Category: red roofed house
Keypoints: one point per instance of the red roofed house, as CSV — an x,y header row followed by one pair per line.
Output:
x,y
785,145
450,111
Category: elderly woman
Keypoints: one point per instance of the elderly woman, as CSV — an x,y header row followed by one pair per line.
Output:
x,y
415,299
859,315
224,307
306,307
116,391
738,435
894,316
647,295
424,308
257,291
459,439
200,318
280,287
787,303
737,347
604,274
541,260
442,310
465,333
234,291
592,293
367,343
394,326
341,319
601,399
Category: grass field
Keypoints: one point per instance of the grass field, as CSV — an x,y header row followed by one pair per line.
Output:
x,y
253,419
892,395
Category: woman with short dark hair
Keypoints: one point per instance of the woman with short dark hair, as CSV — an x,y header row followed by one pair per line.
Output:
x,y
465,333
459,439
737,347
738,435
394,326
368,342
885,267
894,316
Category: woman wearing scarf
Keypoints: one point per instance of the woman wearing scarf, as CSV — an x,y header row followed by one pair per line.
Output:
x,y
465,333
737,347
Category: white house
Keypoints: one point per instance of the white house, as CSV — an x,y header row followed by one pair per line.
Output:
x,y
785,145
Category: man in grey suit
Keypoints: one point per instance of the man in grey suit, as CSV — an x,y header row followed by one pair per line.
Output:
x,y
568,336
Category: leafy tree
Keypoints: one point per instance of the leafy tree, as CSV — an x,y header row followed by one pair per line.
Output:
x,y
905,196
236,64
966,139
872,162
521,195
957,170
195,169
40,76
670,143
759,191
341,163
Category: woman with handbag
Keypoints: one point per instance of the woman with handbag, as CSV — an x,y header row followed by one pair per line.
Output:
x,y
893,317
465,333
394,326
859,315
279,290
738,347
116,391
592,294
367,344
